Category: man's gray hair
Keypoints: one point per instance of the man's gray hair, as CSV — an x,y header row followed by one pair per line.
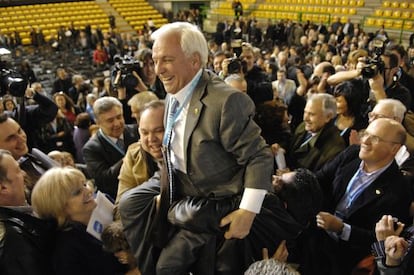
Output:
x,y
233,77
398,109
328,103
105,104
270,267
192,39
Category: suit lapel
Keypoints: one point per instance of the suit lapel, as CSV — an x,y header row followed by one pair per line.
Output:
x,y
107,146
194,110
346,176
374,190
129,136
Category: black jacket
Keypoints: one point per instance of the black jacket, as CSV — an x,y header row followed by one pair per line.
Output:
x,y
104,161
78,252
26,247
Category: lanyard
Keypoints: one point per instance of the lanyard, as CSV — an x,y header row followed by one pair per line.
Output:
x,y
171,121
355,191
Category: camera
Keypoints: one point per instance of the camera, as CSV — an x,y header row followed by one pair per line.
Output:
x,y
125,67
10,80
374,65
236,65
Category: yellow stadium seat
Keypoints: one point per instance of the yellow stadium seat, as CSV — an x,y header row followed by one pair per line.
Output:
x,y
396,14
398,24
26,41
395,4
387,13
360,3
408,25
379,22
388,23
406,14
352,11
404,5
378,12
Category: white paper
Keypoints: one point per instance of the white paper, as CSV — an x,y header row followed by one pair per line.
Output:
x,y
280,159
101,216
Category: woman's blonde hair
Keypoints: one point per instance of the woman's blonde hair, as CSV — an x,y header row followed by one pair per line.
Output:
x,y
53,190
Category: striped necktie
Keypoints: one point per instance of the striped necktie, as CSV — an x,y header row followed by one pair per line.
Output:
x,y
170,121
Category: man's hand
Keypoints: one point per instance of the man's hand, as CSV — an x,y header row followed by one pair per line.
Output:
x,y
385,228
275,148
395,249
329,222
240,222
377,86
281,253
354,138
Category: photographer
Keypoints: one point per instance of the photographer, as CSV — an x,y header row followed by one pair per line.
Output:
x,y
127,81
254,75
404,78
32,117
378,75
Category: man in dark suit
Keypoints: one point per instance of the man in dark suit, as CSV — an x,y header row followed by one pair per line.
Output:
x,y
103,153
360,185
26,242
316,140
13,138
217,154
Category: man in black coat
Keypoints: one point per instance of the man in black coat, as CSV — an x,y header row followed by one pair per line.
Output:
x,y
25,241
34,162
104,152
360,185
254,75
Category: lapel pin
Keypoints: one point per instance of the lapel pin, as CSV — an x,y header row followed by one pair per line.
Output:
x,y
377,191
195,111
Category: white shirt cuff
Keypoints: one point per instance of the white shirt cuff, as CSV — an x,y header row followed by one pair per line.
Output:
x,y
252,199
346,232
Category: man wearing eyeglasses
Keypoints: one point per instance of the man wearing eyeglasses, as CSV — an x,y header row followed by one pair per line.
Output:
x,y
360,185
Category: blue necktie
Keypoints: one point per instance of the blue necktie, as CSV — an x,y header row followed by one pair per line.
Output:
x,y
170,121
120,144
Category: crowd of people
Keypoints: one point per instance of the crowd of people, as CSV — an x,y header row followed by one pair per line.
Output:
x,y
295,141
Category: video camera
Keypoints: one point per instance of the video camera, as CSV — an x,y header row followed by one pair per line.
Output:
x,y
10,80
374,65
126,66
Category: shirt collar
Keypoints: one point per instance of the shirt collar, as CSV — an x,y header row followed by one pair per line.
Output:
x,y
114,140
375,172
182,94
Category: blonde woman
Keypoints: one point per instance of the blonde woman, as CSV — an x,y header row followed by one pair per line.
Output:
x,y
63,195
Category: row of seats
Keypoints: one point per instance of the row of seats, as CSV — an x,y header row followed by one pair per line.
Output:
x,y
276,15
302,8
228,5
397,5
352,3
389,23
49,17
405,14
137,13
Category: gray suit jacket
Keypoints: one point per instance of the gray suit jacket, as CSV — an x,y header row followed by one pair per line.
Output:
x,y
225,152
